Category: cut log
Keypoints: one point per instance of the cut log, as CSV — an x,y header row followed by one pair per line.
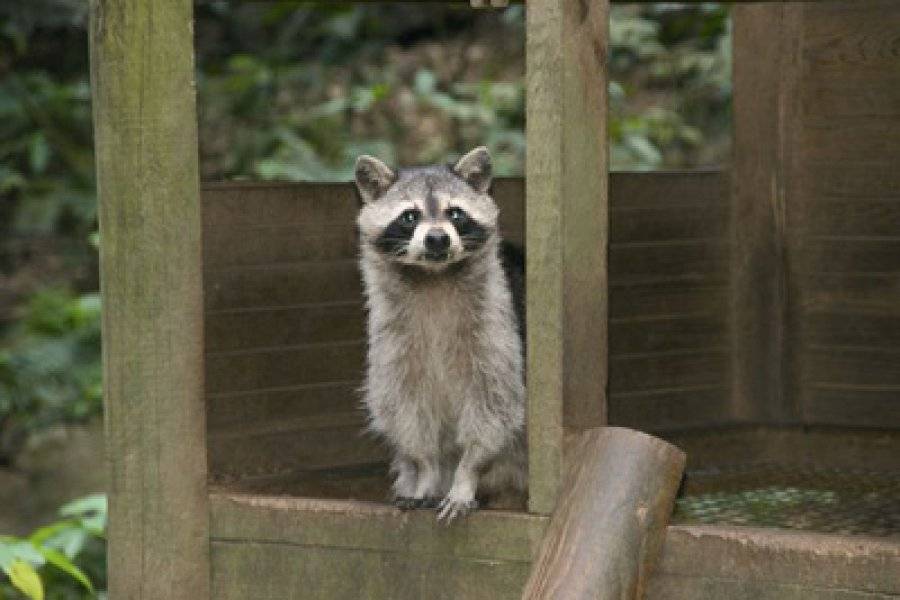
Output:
x,y
605,534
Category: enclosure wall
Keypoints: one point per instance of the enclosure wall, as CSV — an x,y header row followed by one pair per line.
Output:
x,y
817,213
285,324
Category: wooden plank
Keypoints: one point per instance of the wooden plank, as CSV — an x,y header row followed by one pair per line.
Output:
x,y
275,572
861,330
278,286
667,189
770,559
234,409
610,522
851,366
142,76
254,370
668,296
642,260
851,41
567,229
666,410
800,446
764,79
348,524
677,222
848,254
845,181
350,549
855,218
664,370
281,453
680,587
870,292
853,406
829,98
666,333
862,140
267,328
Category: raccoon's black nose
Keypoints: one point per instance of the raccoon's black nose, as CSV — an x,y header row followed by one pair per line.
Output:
x,y
437,241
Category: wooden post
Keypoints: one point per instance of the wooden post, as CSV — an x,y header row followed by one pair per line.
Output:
x,y
765,109
610,523
566,231
142,75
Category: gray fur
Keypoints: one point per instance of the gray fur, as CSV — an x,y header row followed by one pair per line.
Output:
x,y
444,383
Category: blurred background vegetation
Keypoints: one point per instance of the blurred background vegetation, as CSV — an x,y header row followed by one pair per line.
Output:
x,y
286,91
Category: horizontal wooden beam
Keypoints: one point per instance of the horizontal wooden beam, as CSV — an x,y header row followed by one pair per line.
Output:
x,y
710,562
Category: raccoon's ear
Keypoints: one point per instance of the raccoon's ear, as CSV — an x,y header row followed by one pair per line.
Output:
x,y
373,178
475,168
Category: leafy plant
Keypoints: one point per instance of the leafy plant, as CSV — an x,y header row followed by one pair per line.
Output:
x,y
60,561
49,366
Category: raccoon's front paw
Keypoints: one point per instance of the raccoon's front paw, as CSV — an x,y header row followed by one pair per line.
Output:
x,y
451,507
409,503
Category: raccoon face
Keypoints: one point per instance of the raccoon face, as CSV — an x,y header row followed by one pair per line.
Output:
x,y
429,217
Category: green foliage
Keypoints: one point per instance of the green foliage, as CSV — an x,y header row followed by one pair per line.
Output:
x,y
670,93
49,366
64,560
303,110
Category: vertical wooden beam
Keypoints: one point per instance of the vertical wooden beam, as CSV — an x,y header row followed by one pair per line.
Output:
x,y
142,75
766,69
566,231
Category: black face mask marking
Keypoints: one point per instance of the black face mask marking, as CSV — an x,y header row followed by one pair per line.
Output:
x,y
472,234
396,237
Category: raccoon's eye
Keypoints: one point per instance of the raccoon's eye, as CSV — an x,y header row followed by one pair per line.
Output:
x,y
457,215
409,217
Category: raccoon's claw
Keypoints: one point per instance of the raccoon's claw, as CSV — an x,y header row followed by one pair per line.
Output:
x,y
407,503
450,509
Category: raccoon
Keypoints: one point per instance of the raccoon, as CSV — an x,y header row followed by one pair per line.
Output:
x,y
444,384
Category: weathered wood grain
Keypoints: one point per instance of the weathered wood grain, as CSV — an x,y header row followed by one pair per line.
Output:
x,y
849,405
666,333
637,261
764,111
856,218
235,408
484,535
276,327
671,223
869,292
662,370
282,285
773,564
347,574
611,517
673,295
567,230
671,409
845,254
264,547
252,370
281,452
798,445
678,587
142,76
876,331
